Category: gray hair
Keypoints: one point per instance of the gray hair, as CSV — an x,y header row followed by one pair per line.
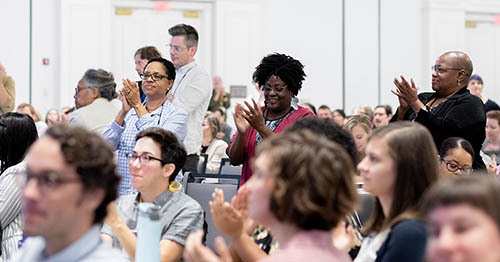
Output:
x,y
103,81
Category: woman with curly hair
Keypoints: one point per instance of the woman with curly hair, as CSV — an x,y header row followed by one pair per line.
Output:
x,y
280,77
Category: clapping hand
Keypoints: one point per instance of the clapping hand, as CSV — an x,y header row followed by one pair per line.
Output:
x,y
131,92
406,93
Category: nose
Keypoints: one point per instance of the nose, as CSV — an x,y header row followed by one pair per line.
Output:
x,y
31,190
134,164
446,241
362,165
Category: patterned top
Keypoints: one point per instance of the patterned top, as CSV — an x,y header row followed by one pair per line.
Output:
x,y
122,138
179,216
10,211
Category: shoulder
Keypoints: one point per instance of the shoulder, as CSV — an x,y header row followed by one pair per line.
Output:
x,y
219,143
409,226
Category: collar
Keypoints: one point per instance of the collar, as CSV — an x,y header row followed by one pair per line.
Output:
x,y
159,200
183,69
80,249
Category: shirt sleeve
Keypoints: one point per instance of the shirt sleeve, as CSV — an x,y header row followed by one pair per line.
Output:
x,y
189,219
75,120
406,242
113,134
10,197
10,89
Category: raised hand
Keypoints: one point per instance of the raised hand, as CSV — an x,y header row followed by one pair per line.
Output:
x,y
225,217
239,120
131,92
194,250
253,114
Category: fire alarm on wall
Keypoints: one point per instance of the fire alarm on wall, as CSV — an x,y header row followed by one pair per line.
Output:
x,y
45,61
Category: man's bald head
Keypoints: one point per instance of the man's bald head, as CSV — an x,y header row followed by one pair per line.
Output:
x,y
458,59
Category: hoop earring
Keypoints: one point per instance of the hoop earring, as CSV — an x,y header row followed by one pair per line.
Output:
x,y
175,186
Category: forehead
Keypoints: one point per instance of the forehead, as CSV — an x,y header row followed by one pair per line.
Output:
x,y
459,154
148,145
275,80
45,154
179,40
446,59
82,82
155,67
379,110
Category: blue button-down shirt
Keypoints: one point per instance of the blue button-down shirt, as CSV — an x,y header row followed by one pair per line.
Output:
x,y
122,138
89,247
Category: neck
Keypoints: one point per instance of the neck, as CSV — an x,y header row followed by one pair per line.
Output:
x,y
150,195
56,242
152,103
207,138
283,232
271,115
494,140
386,203
448,95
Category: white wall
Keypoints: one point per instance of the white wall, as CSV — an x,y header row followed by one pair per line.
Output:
x,y
14,46
412,35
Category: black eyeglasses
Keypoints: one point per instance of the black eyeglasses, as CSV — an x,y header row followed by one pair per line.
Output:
x,y
45,180
155,76
144,159
439,69
452,166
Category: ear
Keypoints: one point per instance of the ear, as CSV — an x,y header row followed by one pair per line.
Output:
x,y
95,93
192,50
168,170
93,198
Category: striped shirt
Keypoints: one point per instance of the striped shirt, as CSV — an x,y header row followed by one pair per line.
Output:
x,y
10,211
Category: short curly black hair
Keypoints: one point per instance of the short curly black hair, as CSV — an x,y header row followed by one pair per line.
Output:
x,y
167,65
93,160
288,69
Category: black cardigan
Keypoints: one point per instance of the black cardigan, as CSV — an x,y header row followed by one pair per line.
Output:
x,y
462,115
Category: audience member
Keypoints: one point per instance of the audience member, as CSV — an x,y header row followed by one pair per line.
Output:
x,y
399,166
339,116
280,76
7,92
463,220
17,133
491,145
475,87
93,96
382,115
52,117
141,58
70,179
156,111
330,130
360,128
456,155
365,110
220,98
310,107
29,110
191,89
220,112
212,143
295,201
324,112
449,111
155,161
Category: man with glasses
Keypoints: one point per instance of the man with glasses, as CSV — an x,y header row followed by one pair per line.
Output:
x,y
94,101
69,181
450,111
192,88
153,164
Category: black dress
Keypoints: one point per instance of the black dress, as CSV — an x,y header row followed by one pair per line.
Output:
x,y
462,115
